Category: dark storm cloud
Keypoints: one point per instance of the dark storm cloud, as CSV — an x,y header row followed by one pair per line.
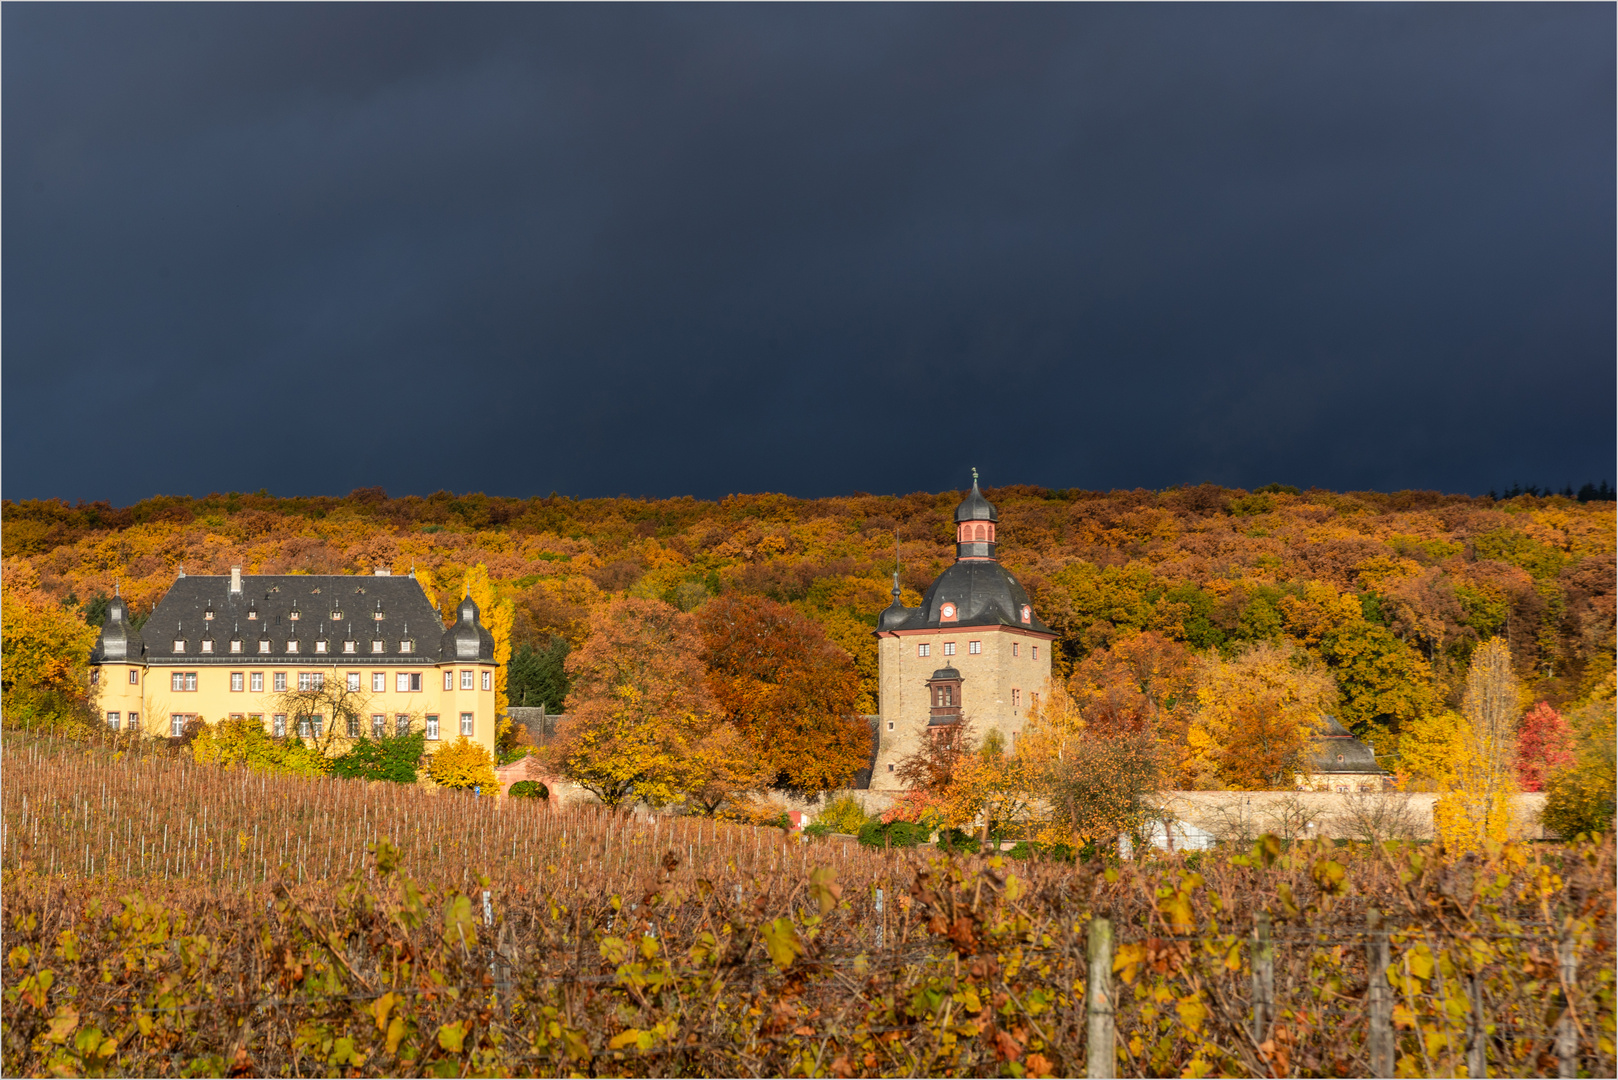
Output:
x,y
815,249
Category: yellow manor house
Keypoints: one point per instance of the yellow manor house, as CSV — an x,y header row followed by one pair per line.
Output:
x,y
300,653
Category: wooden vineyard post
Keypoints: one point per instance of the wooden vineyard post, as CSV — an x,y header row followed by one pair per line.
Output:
x,y
880,926
1477,1062
1567,1035
1263,978
1101,1056
1378,996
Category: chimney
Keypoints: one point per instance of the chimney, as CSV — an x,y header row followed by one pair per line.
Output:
x,y
383,571
235,581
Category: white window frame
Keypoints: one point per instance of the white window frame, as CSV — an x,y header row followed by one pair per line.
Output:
x,y
238,682
320,645
379,682
353,682
207,645
408,682
177,682
449,680
468,724
377,647
974,648
353,725
255,682
235,645
432,727
401,724
176,725
488,680
949,648
264,647
466,680
132,721
1036,651
280,682
278,725
348,647
379,725
924,649
1014,648
113,719
134,677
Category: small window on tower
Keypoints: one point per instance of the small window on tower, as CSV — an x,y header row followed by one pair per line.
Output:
x,y
1013,648
924,650
949,648
974,647
134,676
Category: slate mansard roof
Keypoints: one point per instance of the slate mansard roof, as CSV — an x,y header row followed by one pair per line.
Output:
x,y
272,598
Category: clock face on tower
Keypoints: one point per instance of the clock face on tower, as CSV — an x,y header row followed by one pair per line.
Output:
x,y
947,612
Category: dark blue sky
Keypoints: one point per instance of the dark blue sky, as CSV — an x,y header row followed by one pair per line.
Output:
x,y
696,250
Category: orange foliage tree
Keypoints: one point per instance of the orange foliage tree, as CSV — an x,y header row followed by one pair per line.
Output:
x,y
788,690
639,704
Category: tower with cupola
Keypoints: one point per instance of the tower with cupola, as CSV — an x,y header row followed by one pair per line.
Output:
x,y
974,651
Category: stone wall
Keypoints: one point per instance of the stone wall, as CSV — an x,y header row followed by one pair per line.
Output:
x,y
1237,814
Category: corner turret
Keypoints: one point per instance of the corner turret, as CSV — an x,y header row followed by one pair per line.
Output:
x,y
468,639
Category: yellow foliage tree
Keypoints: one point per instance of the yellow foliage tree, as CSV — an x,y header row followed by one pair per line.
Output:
x,y
44,656
989,783
1256,714
1476,805
462,764
497,614
629,751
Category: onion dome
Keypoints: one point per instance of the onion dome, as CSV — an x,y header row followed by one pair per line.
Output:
x,y
975,507
468,639
974,525
118,641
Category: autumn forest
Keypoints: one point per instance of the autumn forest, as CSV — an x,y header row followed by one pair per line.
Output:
x,y
1390,592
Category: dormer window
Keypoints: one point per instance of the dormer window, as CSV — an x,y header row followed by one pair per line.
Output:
x,y
348,646
336,615
235,645
377,647
207,645
377,614
294,615
320,645
252,612
207,615
264,646
407,645
179,644
292,645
